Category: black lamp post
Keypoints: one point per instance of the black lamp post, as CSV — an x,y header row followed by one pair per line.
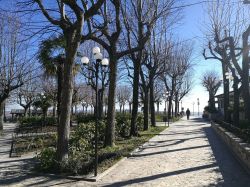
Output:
x,y
193,108
103,62
198,103
166,100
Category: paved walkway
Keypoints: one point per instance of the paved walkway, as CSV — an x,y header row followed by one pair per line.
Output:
x,y
189,153
12,170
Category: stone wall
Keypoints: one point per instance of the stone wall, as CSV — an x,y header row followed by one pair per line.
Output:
x,y
240,149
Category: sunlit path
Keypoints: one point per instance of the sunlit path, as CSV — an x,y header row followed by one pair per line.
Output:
x,y
5,140
187,154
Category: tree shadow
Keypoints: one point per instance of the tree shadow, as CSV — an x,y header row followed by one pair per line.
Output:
x,y
22,170
176,141
162,175
169,151
233,174
17,170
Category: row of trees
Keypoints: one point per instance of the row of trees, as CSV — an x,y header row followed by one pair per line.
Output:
x,y
133,34
227,33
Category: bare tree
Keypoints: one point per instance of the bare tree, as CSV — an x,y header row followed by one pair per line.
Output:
x,y
70,19
26,95
139,20
109,36
158,94
123,96
211,81
178,65
13,60
225,26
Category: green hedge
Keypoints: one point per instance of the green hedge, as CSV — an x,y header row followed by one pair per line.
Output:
x,y
82,118
37,121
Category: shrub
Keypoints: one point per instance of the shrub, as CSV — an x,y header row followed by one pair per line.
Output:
x,y
123,121
37,121
47,161
123,125
244,124
83,136
210,109
159,117
82,118
140,121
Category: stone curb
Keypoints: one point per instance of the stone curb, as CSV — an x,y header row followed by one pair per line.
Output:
x,y
239,149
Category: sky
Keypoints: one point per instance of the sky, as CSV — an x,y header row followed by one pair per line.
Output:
x,y
191,29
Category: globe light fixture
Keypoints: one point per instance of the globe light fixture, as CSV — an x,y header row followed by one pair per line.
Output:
x,y
105,62
98,56
96,50
85,60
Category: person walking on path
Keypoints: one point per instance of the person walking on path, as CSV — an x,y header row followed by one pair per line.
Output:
x,y
188,113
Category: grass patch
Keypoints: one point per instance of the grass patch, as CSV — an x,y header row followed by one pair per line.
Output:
x,y
160,118
24,145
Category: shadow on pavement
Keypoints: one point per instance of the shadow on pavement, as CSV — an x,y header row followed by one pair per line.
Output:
x,y
177,141
155,177
222,159
233,174
169,151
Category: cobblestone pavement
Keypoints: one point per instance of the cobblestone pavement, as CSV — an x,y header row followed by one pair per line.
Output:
x,y
189,153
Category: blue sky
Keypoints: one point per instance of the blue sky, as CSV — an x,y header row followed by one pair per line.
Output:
x,y
190,28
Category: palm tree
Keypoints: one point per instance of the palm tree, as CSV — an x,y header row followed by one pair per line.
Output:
x,y
51,56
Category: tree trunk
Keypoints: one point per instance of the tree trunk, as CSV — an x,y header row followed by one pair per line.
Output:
x,y
152,104
120,106
1,115
110,128
226,93
245,72
26,111
59,88
170,107
145,109
54,110
29,111
158,107
211,101
65,109
176,105
133,128
4,113
236,108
